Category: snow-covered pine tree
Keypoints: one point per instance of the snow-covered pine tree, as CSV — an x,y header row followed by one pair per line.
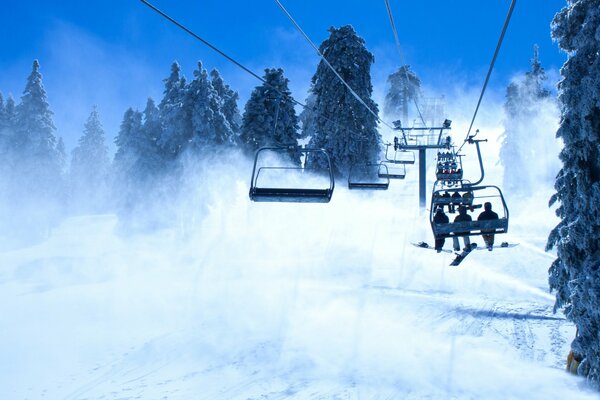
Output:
x,y
35,144
575,275
8,116
34,119
175,116
90,166
149,163
228,99
405,87
342,125
126,176
127,144
209,125
269,116
526,102
4,143
3,129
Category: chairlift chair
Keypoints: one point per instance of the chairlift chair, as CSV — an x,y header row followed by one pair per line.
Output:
x,y
449,167
478,196
392,171
271,183
370,176
400,156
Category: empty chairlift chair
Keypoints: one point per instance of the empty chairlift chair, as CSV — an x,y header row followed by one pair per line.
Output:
x,y
398,156
369,177
392,171
277,179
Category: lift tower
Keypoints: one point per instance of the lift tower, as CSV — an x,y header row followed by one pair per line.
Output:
x,y
423,139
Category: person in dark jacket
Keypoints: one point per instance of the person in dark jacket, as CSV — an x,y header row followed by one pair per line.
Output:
x,y
456,201
447,199
440,218
462,217
487,215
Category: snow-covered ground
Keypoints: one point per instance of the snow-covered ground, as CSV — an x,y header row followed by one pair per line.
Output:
x,y
278,301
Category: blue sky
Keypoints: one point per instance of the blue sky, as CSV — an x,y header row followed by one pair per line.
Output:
x,y
116,53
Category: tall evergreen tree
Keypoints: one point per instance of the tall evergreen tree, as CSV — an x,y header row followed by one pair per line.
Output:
x,y
127,141
342,125
37,161
150,163
209,125
526,101
8,117
575,275
3,128
405,87
34,119
269,116
175,116
228,99
90,166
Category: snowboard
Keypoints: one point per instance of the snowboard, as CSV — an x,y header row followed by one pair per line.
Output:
x,y
423,245
461,256
503,245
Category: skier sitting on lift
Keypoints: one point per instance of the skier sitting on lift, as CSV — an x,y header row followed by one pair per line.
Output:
x,y
456,201
440,218
462,217
487,215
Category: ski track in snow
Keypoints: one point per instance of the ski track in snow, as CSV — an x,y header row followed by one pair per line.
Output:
x,y
280,302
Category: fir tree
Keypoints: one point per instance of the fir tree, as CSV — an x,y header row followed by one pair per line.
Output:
x,y
526,100
342,125
269,116
34,119
405,87
3,128
90,165
175,116
209,125
8,117
34,145
149,161
127,141
228,99
575,275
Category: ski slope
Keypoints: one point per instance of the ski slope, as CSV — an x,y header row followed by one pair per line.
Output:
x,y
283,301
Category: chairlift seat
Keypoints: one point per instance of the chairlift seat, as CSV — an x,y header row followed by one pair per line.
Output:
x,y
369,185
291,195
